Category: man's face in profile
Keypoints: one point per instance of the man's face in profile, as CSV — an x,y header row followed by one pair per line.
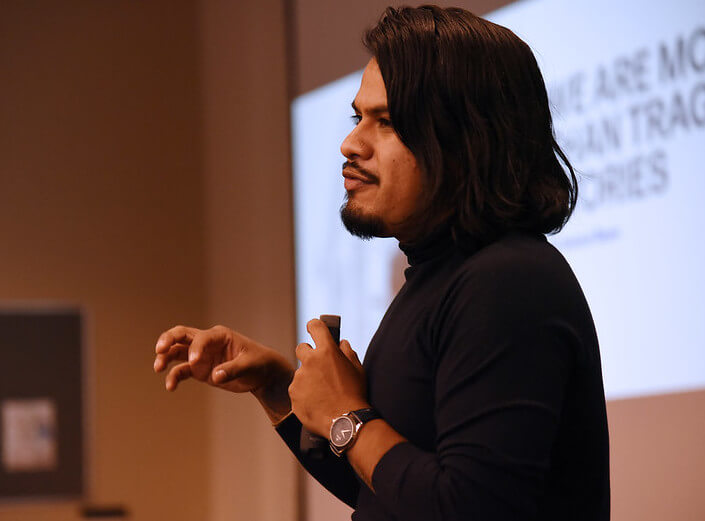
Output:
x,y
382,179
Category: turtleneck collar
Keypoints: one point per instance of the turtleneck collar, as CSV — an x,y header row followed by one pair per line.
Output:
x,y
438,244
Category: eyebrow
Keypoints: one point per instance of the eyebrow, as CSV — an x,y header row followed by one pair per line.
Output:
x,y
379,109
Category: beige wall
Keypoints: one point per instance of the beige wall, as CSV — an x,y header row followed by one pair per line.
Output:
x,y
138,143
658,457
249,246
99,187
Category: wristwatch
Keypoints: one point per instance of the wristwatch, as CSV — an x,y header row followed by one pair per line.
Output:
x,y
344,429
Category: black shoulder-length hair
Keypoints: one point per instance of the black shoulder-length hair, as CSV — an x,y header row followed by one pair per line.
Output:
x,y
467,98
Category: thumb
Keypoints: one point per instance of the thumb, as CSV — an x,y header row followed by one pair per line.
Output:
x,y
228,371
351,355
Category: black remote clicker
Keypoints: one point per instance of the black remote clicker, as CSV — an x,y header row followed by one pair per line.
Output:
x,y
310,444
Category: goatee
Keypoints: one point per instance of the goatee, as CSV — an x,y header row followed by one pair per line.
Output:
x,y
363,226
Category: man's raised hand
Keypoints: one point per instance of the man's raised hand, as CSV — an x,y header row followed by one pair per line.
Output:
x,y
224,358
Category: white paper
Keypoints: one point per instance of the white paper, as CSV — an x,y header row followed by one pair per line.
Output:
x,y
29,441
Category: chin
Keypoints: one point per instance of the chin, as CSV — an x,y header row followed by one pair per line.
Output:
x,y
361,224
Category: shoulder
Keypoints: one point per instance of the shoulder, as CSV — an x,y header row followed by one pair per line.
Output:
x,y
518,277
512,292
518,261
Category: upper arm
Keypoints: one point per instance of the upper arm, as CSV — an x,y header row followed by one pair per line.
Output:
x,y
504,356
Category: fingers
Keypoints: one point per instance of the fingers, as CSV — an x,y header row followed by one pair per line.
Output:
x,y
176,374
202,340
320,334
175,335
208,349
351,355
175,352
302,351
199,352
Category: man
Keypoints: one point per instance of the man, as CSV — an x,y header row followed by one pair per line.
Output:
x,y
481,393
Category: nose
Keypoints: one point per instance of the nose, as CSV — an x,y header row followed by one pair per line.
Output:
x,y
355,145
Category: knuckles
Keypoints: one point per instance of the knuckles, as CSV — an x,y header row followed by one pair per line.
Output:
x,y
219,329
296,382
293,387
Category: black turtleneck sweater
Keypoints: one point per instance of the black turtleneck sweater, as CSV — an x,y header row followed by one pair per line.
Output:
x,y
487,362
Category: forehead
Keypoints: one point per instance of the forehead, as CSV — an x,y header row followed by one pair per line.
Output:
x,y
372,91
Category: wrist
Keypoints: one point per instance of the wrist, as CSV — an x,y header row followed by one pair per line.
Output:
x,y
275,401
273,394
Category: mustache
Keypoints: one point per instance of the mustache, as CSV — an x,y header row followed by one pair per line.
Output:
x,y
352,165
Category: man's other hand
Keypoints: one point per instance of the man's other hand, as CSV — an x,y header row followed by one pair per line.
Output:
x,y
330,381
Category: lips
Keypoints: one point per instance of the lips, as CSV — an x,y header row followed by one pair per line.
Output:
x,y
352,183
355,180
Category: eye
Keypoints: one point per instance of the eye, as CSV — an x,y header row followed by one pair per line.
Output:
x,y
385,122
356,118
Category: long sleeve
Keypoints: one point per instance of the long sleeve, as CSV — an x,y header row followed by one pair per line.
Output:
x,y
516,389
334,473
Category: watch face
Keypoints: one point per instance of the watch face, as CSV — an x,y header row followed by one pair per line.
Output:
x,y
341,432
